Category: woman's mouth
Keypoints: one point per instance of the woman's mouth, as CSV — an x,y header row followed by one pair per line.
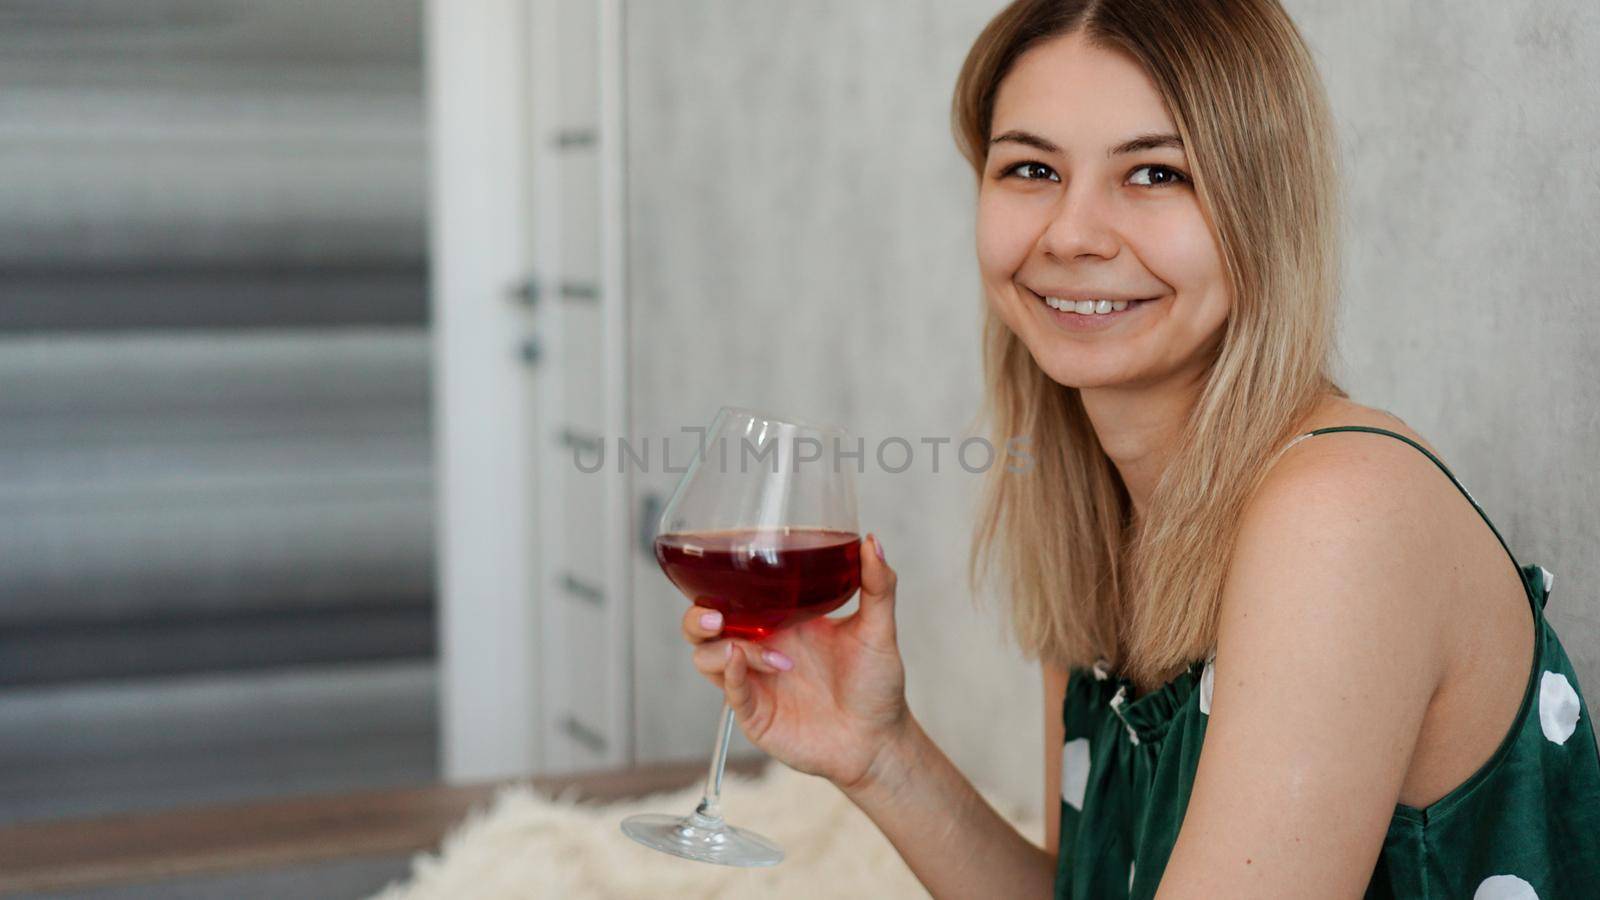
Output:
x,y
1088,315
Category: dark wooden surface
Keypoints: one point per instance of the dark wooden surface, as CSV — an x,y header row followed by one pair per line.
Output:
x,y
122,849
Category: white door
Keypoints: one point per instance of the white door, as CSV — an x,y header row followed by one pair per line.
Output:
x,y
529,323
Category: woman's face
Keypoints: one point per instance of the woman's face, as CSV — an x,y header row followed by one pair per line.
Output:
x,y
1083,199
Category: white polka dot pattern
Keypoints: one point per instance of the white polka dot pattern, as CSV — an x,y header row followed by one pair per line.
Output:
x,y
1549,578
1558,707
1075,772
1133,866
1208,678
1504,887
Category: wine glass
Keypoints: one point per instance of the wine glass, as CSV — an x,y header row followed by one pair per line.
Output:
x,y
761,528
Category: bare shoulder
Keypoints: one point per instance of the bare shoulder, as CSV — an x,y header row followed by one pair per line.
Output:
x,y
1329,653
1359,483
1367,526
1352,520
1357,453
1354,477
1383,488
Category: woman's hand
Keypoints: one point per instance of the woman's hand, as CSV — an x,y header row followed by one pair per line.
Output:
x,y
833,698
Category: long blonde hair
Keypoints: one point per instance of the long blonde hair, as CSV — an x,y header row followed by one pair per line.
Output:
x,y
1085,580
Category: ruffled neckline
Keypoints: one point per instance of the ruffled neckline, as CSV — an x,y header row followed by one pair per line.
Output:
x,y
1145,718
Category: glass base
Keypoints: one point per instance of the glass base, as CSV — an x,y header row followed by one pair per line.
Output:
x,y
704,839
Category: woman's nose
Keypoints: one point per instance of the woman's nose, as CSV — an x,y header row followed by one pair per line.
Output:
x,y
1080,228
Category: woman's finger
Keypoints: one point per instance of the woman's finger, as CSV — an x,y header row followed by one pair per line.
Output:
x,y
701,624
736,688
878,582
711,657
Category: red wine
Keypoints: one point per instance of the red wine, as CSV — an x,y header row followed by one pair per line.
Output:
x,y
762,580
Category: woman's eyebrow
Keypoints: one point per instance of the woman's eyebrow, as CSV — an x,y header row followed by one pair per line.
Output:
x,y
1150,141
1027,139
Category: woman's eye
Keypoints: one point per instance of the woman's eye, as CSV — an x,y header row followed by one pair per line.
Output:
x,y
1155,176
1030,171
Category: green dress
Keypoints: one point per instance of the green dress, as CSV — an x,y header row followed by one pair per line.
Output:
x,y
1525,825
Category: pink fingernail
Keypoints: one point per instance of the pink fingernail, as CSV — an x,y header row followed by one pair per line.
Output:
x,y
878,546
727,652
711,621
777,659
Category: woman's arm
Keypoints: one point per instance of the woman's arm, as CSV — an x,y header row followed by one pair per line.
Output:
x,y
954,842
1328,655
1055,736
836,708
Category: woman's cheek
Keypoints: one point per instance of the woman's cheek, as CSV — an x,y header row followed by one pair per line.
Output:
x,y
1181,253
1002,247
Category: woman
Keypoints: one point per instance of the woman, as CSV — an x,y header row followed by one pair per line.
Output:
x,y
1273,666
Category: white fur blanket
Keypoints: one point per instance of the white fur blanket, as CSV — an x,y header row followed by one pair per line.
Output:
x,y
528,846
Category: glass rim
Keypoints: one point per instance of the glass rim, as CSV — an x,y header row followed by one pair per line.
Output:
x,y
784,420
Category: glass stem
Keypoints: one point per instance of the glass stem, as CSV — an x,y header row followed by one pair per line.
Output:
x,y
709,813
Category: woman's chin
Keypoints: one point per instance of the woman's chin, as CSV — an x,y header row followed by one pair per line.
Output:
x,y
1078,377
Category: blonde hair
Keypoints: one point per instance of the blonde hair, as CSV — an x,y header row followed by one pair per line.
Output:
x,y
1085,580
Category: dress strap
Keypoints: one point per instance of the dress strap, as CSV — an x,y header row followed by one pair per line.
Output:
x,y
1521,571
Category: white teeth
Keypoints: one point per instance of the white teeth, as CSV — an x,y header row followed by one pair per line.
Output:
x,y
1087,307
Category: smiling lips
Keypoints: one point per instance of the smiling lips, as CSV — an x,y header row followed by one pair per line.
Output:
x,y
1085,304
1086,307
